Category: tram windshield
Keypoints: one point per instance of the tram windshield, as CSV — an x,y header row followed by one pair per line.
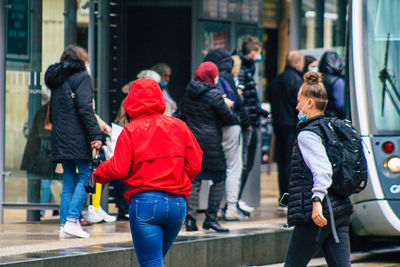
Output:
x,y
382,32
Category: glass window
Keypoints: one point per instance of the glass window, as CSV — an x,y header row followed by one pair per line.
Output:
x,y
27,143
35,178
308,23
215,35
382,33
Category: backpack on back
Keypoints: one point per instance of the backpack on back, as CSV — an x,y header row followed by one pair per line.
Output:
x,y
345,152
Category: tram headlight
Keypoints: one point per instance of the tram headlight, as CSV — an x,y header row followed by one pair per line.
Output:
x,y
393,164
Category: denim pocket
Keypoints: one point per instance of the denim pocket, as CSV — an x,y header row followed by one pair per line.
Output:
x,y
146,209
181,207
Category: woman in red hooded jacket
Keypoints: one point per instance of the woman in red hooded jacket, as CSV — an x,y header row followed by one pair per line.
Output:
x,y
157,156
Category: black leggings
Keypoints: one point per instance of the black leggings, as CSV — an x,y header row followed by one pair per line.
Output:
x,y
307,239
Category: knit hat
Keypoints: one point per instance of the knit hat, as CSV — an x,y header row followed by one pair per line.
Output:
x,y
207,72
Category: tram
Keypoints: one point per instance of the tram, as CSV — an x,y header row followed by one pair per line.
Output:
x,y
373,94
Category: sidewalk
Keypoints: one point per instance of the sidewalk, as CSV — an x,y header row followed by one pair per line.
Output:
x,y
19,237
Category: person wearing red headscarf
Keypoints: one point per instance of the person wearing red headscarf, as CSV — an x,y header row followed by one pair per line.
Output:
x,y
156,156
205,111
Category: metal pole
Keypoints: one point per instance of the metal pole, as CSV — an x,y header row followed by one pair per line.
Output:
x,y
92,39
70,27
103,57
35,99
295,25
2,102
319,22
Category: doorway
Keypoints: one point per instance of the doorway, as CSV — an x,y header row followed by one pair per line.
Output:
x,y
160,34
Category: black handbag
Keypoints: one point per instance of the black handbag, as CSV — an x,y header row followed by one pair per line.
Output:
x,y
90,185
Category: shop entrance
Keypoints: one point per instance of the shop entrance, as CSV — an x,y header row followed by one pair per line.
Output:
x,y
159,34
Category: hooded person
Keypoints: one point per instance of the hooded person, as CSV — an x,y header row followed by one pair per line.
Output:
x,y
331,66
205,112
156,156
232,133
74,133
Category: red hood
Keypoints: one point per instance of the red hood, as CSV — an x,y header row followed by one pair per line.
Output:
x,y
144,98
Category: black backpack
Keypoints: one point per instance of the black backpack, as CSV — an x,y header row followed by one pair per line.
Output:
x,y
345,152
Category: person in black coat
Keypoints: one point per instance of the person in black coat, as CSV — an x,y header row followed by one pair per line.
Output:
x,y
37,163
331,66
250,54
282,94
231,134
204,110
75,132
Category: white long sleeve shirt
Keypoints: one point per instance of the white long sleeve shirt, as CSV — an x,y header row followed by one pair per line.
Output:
x,y
315,157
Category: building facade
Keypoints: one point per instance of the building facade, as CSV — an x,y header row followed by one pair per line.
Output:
x,y
124,37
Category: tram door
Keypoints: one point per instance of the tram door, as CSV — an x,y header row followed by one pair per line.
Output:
x,y
159,34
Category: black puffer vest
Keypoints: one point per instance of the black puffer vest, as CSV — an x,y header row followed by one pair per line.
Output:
x,y
301,183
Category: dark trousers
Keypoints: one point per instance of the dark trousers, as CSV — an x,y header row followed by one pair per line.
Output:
x,y
120,201
307,239
285,137
215,195
249,152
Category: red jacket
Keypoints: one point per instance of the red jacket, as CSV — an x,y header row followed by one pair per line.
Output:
x,y
154,151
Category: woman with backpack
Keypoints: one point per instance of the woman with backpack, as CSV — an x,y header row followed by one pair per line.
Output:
x,y
320,218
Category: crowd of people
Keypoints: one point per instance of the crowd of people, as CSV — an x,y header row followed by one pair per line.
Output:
x,y
166,150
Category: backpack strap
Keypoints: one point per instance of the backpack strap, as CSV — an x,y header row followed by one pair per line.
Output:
x,y
332,219
327,129
329,132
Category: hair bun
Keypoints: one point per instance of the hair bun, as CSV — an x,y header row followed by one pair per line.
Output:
x,y
312,77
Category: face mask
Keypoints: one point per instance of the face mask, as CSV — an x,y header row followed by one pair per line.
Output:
x,y
216,80
88,68
258,59
302,117
163,84
315,69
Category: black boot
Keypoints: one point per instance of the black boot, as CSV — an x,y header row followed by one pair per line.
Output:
x,y
191,224
211,224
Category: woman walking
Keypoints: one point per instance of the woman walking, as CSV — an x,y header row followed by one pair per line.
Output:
x,y
157,156
75,132
308,187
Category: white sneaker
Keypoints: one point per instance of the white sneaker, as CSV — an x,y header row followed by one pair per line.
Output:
x,y
63,234
234,215
245,207
75,229
92,215
105,216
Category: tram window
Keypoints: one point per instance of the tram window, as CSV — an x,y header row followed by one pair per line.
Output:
x,y
388,20
382,54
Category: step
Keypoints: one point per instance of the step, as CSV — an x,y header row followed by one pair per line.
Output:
x,y
242,247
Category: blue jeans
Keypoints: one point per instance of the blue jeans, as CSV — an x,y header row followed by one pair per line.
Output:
x,y
156,219
73,193
45,197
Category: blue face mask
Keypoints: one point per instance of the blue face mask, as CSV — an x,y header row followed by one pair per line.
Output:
x,y
315,69
163,84
302,117
258,59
